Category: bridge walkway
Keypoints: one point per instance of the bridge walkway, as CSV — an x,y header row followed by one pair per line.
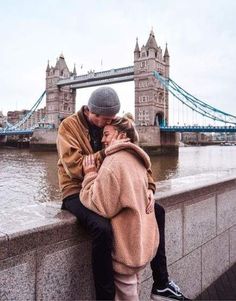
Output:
x,y
224,288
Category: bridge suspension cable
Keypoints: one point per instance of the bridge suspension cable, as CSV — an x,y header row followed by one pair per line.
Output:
x,y
27,116
194,103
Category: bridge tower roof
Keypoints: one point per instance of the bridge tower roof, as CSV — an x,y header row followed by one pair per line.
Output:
x,y
151,43
61,63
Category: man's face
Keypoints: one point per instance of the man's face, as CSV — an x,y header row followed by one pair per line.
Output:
x,y
109,133
99,120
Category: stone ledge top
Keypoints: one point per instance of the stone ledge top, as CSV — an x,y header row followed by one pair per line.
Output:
x,y
179,186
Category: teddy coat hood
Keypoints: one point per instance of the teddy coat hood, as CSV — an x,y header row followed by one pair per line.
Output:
x,y
118,191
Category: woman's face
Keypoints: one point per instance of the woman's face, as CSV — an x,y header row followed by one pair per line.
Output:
x,y
109,133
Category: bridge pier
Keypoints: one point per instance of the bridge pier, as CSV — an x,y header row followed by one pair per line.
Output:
x,y
3,140
44,140
155,142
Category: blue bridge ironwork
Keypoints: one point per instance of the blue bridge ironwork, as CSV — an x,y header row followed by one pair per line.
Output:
x,y
198,129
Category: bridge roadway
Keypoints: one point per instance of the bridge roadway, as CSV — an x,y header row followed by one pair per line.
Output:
x,y
91,79
199,129
16,132
174,128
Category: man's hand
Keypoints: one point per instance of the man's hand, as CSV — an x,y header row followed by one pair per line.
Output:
x,y
151,202
89,164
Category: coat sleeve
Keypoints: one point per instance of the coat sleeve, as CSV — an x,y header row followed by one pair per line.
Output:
x,y
71,153
101,193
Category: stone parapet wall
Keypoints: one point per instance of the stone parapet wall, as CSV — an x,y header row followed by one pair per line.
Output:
x,y
45,254
200,232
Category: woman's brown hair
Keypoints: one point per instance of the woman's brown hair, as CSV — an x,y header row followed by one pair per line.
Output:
x,y
126,125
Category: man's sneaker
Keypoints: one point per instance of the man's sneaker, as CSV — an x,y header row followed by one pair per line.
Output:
x,y
171,290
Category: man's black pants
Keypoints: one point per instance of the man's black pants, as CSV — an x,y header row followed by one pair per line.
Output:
x,y
101,231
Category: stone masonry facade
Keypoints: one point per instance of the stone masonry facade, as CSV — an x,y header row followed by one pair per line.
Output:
x,y
60,102
151,98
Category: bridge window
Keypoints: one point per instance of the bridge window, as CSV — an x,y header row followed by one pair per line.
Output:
x,y
159,119
160,97
143,98
143,83
143,64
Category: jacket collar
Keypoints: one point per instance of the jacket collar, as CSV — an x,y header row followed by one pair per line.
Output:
x,y
132,148
81,117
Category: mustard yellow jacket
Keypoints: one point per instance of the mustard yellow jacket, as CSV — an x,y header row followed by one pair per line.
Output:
x,y
73,143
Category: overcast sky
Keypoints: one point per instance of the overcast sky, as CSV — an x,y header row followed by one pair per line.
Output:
x,y
101,35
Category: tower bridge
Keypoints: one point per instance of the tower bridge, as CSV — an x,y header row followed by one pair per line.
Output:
x,y
150,74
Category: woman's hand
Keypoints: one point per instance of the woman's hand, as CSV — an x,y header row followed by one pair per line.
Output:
x,y
151,202
120,138
89,164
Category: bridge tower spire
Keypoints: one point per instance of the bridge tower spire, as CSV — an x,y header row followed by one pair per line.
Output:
x,y
60,102
151,98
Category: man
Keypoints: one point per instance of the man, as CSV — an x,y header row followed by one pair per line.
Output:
x,y
80,135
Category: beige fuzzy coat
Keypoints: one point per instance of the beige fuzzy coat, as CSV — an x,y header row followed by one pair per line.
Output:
x,y
118,191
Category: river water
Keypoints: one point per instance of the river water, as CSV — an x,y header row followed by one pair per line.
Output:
x,y
27,177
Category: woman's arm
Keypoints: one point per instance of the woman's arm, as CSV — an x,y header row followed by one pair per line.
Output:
x,y
100,191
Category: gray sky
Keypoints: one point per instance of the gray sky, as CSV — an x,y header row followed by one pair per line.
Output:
x,y
201,37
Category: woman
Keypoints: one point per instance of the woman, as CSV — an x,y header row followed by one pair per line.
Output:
x,y
119,191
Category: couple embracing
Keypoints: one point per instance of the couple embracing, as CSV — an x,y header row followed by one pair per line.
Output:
x,y
106,182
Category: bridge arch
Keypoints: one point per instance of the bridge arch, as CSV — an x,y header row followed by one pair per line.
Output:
x,y
159,119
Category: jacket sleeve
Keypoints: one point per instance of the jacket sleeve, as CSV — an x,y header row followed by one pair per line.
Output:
x,y
151,183
101,193
71,153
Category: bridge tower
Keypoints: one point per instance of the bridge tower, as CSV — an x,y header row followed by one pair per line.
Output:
x,y
151,98
60,101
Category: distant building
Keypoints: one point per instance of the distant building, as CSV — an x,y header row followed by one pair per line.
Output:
x,y
2,119
224,137
37,117
13,117
195,138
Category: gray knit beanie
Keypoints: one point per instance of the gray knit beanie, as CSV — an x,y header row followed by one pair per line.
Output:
x,y
104,101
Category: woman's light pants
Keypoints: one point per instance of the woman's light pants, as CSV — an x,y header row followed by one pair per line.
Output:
x,y
127,286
